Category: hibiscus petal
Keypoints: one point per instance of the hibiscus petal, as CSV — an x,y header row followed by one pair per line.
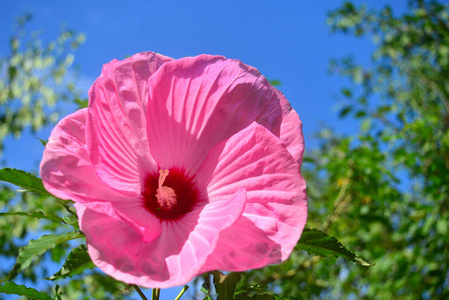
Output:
x,y
116,131
197,102
173,258
66,169
281,119
67,173
276,208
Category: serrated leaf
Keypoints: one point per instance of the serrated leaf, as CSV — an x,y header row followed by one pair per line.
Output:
x,y
24,180
37,248
77,261
225,284
71,220
34,214
15,289
68,207
318,243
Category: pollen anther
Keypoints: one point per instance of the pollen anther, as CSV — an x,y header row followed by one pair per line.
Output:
x,y
166,196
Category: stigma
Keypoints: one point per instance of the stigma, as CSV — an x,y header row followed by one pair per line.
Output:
x,y
166,196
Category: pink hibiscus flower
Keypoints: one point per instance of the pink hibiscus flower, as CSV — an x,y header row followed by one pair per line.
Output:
x,y
180,167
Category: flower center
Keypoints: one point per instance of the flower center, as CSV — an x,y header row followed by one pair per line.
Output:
x,y
170,197
166,196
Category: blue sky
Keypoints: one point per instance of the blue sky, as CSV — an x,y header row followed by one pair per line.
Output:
x,y
285,40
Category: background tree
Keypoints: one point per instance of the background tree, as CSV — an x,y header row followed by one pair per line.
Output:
x,y
37,82
383,191
34,77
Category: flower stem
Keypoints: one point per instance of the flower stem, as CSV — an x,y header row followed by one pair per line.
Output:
x,y
184,289
156,293
139,291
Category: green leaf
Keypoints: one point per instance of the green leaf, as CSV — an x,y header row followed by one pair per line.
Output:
x,y
275,82
346,92
77,261
58,293
43,142
360,114
34,214
37,248
82,103
258,297
206,292
225,284
68,207
15,289
346,110
277,297
24,180
71,220
258,292
318,243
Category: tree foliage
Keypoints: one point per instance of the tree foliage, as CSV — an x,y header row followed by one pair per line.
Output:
x,y
383,191
34,76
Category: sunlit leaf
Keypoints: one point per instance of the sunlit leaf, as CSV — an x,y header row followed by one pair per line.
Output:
x,y
24,180
37,248
71,220
318,243
77,261
35,214
21,290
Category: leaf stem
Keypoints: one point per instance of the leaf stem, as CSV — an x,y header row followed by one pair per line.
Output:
x,y
156,293
139,291
184,289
